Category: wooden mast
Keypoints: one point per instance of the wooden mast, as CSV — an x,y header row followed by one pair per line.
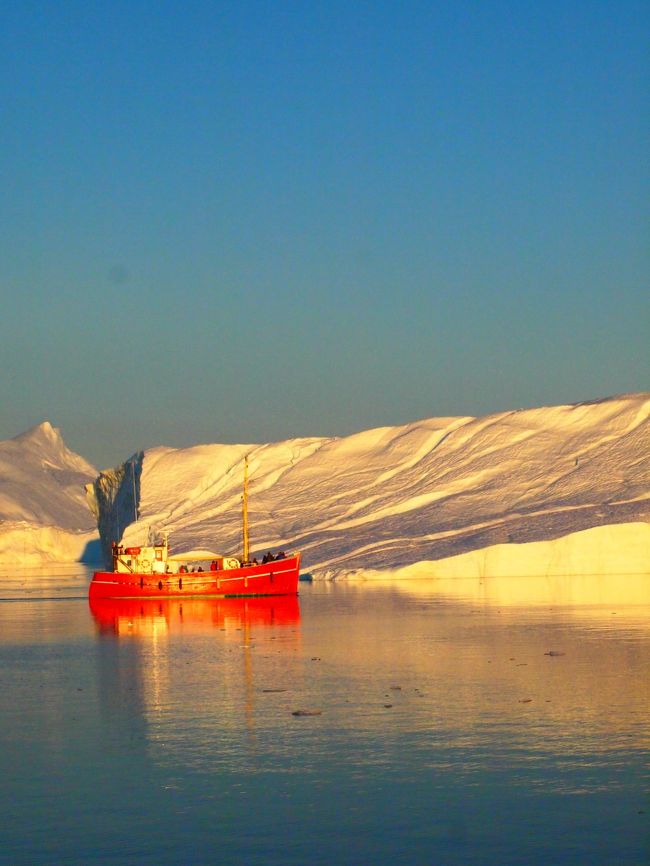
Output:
x,y
246,556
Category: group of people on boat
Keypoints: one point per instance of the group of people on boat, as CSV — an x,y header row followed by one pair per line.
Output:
x,y
268,557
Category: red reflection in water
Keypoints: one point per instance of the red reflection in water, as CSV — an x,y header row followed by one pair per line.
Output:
x,y
135,617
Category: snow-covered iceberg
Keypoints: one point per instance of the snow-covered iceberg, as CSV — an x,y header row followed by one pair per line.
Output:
x,y
44,515
483,492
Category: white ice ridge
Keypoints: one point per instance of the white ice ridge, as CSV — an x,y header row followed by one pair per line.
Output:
x,y
44,515
393,497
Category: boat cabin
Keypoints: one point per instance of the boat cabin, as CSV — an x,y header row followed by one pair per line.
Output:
x,y
156,559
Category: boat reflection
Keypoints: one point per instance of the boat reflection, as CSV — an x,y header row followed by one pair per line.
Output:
x,y
135,617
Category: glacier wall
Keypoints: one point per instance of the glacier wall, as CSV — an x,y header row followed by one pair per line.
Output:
x,y
113,497
29,544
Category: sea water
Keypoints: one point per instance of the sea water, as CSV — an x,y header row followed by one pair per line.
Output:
x,y
492,721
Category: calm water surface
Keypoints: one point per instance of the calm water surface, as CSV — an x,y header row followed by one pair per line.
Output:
x,y
498,721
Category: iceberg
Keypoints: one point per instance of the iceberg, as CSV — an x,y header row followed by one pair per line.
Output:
x,y
44,515
496,492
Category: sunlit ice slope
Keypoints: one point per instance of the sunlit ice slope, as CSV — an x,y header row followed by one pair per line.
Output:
x,y
396,497
44,515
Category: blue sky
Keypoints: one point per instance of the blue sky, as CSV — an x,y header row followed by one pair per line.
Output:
x,y
249,221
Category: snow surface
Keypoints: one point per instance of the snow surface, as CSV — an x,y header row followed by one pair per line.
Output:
x,y
390,498
44,514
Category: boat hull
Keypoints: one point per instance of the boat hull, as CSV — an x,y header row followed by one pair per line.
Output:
x,y
279,577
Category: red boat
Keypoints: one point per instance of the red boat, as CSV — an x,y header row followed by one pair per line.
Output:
x,y
150,571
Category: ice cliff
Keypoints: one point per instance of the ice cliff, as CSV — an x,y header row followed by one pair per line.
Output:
x,y
570,484
44,515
